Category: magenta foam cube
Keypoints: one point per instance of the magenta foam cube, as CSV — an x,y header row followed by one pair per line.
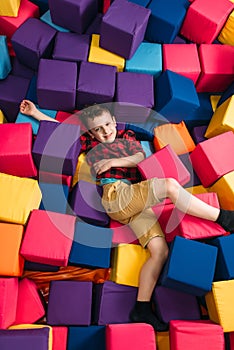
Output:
x,y
70,303
123,28
203,20
217,71
96,84
56,84
8,301
75,15
71,47
122,233
164,163
134,96
211,158
60,335
30,308
48,238
16,150
33,40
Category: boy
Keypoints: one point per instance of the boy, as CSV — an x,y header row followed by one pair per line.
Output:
x,y
114,156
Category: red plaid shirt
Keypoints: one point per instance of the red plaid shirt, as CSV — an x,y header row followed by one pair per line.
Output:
x,y
124,145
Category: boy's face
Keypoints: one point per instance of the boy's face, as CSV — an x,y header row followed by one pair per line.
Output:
x,y
103,128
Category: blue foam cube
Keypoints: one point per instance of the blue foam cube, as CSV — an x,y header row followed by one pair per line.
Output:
x,y
83,338
54,197
5,63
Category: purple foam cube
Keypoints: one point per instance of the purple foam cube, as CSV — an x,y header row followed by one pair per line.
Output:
x,y
194,179
56,84
25,339
123,28
95,26
134,96
71,47
75,15
33,40
70,303
12,91
56,148
85,201
113,302
96,84
172,304
20,70
198,133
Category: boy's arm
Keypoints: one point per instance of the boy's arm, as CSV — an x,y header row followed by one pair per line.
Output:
x,y
127,162
28,107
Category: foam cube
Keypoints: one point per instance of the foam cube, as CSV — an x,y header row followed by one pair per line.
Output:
x,y
165,20
128,31
13,90
130,336
46,17
162,164
221,120
8,301
198,133
95,25
60,335
83,171
96,84
190,267
203,21
5,66
16,150
211,159
219,303
57,147
147,60
225,35
134,256
54,197
215,77
225,94
26,339
82,338
202,115
134,96
175,223
85,202
56,84
2,118
177,135
224,187
71,47
19,197
162,341
55,178
182,59
33,40
10,8
195,335
11,263
91,246
21,70
29,304
57,231
194,179
122,233
99,55
176,96
172,304
69,303
113,303
73,15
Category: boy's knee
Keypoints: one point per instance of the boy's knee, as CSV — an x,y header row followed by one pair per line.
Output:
x,y
172,185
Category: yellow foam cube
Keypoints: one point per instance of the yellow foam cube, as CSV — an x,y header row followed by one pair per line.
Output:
x,y
214,99
224,188
83,171
222,119
102,56
127,262
220,304
9,8
196,189
36,326
163,340
18,197
226,35
2,118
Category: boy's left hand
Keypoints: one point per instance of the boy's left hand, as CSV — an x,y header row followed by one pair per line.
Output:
x,y
102,166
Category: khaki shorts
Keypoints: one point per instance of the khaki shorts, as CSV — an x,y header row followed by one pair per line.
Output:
x,y
131,204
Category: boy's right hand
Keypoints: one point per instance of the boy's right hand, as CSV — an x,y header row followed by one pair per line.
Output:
x,y
28,107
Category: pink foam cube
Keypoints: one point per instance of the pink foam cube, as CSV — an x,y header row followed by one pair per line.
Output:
x,y
48,237
217,71
203,20
59,338
163,164
122,233
130,336
182,59
211,158
8,301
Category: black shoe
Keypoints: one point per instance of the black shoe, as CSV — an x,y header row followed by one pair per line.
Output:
x,y
150,318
